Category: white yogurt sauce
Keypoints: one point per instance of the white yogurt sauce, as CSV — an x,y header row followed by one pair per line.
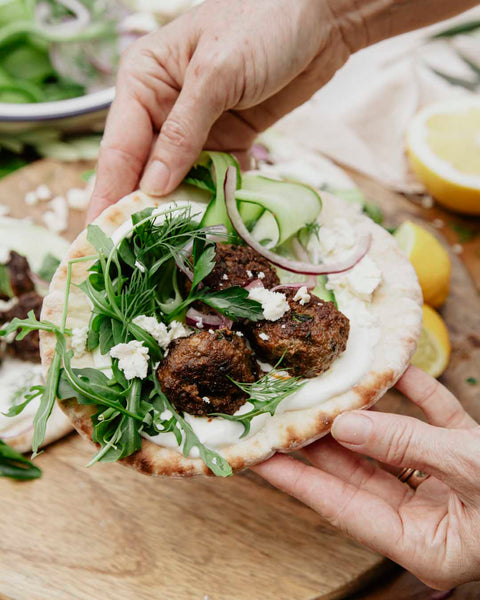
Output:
x,y
346,371
14,375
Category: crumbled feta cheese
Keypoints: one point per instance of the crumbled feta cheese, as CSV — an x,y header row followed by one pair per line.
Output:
x,y
43,193
30,198
239,334
249,274
302,296
56,218
206,399
178,330
156,329
284,326
132,359
261,275
4,210
166,415
264,336
78,199
211,331
274,304
360,281
199,323
79,341
225,277
336,239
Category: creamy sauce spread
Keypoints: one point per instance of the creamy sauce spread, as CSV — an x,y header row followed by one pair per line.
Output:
x,y
345,372
14,376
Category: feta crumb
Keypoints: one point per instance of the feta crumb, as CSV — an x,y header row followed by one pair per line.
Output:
x,y
166,415
199,323
274,304
302,296
79,341
178,330
239,334
214,460
225,277
4,210
30,198
155,328
261,275
132,359
43,193
206,399
78,199
264,336
361,281
249,274
56,218
211,331
457,248
284,326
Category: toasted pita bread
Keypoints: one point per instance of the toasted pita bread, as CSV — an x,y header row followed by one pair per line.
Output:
x,y
396,304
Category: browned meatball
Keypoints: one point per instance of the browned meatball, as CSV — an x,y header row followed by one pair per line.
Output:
x,y
28,348
240,265
195,373
309,337
19,275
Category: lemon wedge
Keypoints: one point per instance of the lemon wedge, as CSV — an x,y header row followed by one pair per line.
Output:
x,y
433,351
443,145
429,259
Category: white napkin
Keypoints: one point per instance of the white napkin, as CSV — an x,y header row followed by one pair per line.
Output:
x,y
359,119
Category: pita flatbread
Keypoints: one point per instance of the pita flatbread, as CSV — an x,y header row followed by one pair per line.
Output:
x,y
396,304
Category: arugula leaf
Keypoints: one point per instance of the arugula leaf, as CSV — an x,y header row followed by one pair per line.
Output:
x,y
48,397
233,302
26,326
99,240
48,267
28,394
15,465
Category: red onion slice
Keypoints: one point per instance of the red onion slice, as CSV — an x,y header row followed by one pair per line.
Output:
x,y
216,321
285,263
256,283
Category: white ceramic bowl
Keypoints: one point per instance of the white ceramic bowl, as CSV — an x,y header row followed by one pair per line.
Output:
x,y
85,113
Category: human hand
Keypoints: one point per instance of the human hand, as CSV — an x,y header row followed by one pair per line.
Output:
x,y
215,77
432,531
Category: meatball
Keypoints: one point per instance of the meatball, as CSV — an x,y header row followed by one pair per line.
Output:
x,y
28,348
240,265
19,274
308,337
195,373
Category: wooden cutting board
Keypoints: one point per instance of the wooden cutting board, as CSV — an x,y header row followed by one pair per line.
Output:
x,y
108,532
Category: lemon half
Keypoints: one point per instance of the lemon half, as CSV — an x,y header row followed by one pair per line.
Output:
x,y
443,145
433,351
429,259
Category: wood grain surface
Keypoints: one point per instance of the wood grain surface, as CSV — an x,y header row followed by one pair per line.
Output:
x,y
108,532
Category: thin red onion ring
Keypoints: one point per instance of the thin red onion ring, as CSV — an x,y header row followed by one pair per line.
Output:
x,y
209,321
256,283
293,266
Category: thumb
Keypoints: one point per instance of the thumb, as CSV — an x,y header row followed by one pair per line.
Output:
x,y
181,138
406,442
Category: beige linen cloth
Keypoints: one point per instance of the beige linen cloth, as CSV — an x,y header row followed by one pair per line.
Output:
x,y
359,119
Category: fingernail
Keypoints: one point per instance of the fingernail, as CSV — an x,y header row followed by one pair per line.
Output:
x,y
156,178
352,428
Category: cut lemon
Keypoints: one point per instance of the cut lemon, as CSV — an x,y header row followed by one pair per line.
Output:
x,y
429,259
433,352
443,145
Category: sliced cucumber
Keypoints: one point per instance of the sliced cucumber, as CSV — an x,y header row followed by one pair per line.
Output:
x,y
321,291
293,205
216,213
